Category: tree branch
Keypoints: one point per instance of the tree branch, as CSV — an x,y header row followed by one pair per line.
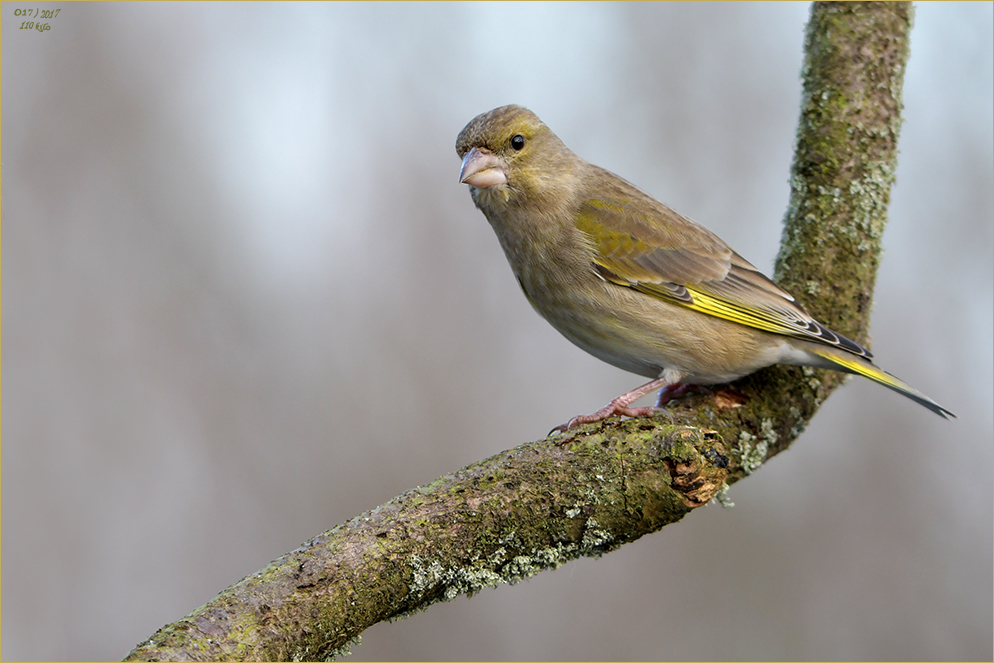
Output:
x,y
544,503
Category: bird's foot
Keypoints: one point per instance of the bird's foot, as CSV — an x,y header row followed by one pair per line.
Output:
x,y
620,405
674,391
610,410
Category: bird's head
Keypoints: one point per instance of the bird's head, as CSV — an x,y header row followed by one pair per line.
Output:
x,y
510,157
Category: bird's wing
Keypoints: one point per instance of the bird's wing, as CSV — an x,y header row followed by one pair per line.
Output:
x,y
673,258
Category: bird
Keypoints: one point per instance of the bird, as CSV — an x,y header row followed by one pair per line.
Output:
x,y
633,282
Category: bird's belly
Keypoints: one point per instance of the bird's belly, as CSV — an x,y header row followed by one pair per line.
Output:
x,y
645,335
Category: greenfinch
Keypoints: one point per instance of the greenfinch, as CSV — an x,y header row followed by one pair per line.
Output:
x,y
631,281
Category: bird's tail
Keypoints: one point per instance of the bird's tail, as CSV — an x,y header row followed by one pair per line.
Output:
x,y
850,363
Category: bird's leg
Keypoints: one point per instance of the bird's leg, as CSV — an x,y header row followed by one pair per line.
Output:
x,y
619,406
675,390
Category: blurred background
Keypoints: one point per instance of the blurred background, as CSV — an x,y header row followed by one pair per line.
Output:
x,y
246,300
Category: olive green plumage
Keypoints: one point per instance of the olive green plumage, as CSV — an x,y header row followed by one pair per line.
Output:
x,y
631,281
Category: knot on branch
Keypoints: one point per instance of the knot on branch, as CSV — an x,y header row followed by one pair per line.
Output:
x,y
698,476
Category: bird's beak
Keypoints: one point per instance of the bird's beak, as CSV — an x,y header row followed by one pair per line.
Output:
x,y
481,168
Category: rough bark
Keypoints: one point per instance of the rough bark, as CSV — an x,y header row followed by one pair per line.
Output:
x,y
543,503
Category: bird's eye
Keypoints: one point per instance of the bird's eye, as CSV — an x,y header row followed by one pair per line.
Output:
x,y
517,141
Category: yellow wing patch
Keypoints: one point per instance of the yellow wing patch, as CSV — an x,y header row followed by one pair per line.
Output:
x,y
685,264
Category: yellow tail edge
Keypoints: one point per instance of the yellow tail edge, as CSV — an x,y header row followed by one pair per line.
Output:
x,y
853,364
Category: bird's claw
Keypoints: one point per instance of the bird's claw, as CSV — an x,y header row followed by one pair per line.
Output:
x,y
610,410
